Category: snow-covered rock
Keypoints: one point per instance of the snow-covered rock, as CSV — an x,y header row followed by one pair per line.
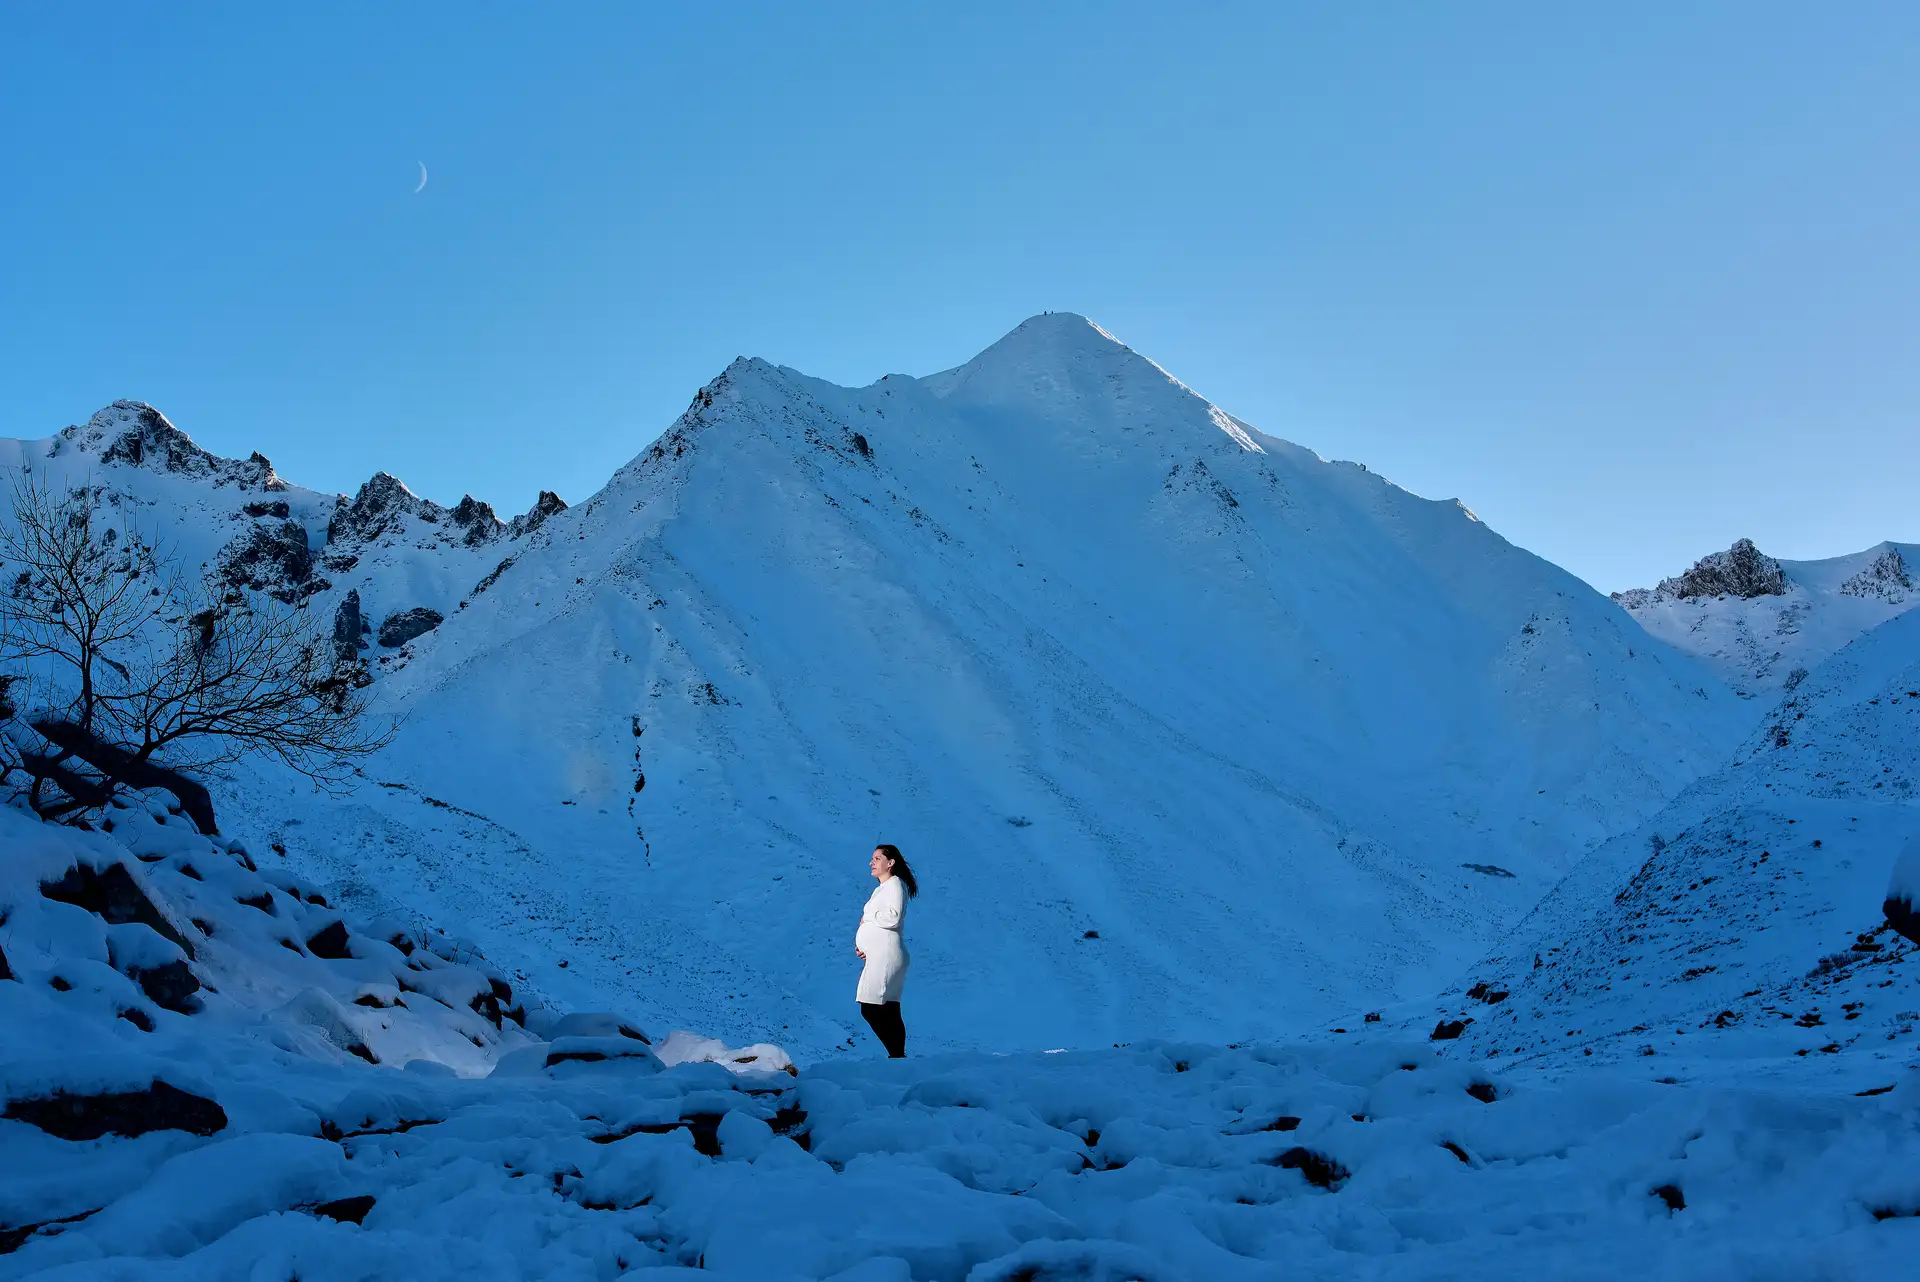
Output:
x,y
1741,571
1763,624
1885,578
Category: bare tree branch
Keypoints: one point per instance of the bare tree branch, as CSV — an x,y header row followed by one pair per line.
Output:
x,y
149,668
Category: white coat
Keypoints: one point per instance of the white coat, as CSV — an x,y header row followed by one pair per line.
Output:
x,y
879,938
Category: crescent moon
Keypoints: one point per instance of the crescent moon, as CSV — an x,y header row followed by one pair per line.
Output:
x,y
423,177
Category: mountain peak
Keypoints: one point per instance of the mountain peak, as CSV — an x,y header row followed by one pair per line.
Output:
x,y
135,434
1055,357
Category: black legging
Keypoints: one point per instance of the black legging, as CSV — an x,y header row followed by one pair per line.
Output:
x,y
884,1019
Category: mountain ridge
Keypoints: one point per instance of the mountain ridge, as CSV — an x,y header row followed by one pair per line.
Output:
x,y
1112,660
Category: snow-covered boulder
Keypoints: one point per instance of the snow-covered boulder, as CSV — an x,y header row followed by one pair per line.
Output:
x,y
690,1048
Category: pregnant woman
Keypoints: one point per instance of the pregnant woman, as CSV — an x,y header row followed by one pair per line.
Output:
x,y
879,944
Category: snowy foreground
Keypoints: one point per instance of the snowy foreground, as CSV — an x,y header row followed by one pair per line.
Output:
x,y
330,1104
1154,1161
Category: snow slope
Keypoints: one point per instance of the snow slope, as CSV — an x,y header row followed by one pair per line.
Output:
x,y
1744,922
1185,728
1763,636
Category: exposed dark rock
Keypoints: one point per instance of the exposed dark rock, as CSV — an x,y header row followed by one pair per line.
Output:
x,y
276,508
861,447
347,626
6,971
403,626
1448,1029
1484,1092
1321,1171
1282,1124
263,901
1487,870
272,559
137,1017
330,942
12,1240
1671,1195
492,1005
160,1107
378,508
477,519
368,514
1741,571
1457,1151
170,987
536,516
493,576
115,897
347,1210
705,1129
1904,916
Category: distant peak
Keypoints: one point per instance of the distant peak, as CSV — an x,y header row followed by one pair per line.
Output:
x,y
1046,355
1743,570
135,434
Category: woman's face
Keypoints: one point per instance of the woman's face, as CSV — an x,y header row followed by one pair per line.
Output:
x,y
880,865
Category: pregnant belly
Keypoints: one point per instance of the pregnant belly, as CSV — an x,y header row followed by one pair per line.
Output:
x,y
877,941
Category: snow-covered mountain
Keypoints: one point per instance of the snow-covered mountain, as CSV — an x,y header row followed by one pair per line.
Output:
x,y
1762,623
1186,731
1184,727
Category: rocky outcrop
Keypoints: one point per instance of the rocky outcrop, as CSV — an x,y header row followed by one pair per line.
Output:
x,y
533,518
384,504
159,1107
134,434
477,520
348,626
1885,579
1743,570
275,559
377,510
403,626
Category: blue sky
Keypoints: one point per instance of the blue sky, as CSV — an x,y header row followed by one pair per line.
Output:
x,y
1631,282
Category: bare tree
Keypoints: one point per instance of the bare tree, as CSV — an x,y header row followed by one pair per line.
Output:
x,y
76,591
149,677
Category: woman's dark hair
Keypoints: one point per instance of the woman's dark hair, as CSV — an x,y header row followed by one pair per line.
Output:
x,y
900,869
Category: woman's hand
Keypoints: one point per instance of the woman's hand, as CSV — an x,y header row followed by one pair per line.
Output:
x,y
857,953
